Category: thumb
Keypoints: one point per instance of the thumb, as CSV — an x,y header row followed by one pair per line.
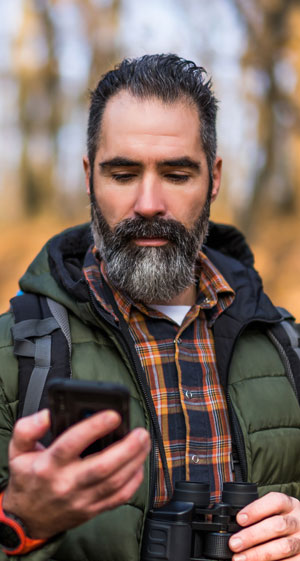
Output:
x,y
27,432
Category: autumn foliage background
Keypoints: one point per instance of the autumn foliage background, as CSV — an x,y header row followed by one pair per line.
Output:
x,y
53,52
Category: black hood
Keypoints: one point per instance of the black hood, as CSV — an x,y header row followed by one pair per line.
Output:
x,y
229,241
227,248
66,256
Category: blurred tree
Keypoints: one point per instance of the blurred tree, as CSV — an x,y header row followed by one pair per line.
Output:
x,y
44,106
40,118
270,67
101,20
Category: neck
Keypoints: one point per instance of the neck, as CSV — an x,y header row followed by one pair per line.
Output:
x,y
185,298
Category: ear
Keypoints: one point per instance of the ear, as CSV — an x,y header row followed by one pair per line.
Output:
x,y
87,173
216,177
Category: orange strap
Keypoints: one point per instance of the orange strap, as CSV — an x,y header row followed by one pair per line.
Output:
x,y
26,544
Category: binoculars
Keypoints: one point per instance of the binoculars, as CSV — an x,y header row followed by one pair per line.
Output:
x,y
188,529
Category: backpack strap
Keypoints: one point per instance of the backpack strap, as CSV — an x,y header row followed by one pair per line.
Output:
x,y
42,344
60,313
292,329
286,338
40,350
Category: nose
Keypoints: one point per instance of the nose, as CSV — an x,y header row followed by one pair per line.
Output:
x,y
149,201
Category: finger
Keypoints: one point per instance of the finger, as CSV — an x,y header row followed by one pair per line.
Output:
x,y
284,548
269,529
106,466
122,496
75,439
27,432
269,505
132,448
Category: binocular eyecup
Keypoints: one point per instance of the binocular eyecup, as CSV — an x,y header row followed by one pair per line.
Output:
x,y
188,529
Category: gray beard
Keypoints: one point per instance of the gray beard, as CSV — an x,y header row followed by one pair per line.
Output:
x,y
149,274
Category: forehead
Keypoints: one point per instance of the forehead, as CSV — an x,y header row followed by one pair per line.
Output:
x,y
130,123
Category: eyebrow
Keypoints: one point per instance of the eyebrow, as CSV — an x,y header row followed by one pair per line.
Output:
x,y
184,162
118,162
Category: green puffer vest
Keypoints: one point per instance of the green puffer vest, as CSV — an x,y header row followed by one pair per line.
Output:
x,y
263,399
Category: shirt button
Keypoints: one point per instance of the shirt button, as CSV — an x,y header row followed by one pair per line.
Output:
x,y
188,394
195,459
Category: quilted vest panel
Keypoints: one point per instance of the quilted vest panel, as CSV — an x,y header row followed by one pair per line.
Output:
x,y
269,414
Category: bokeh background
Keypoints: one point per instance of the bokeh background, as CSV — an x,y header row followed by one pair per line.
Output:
x,y
53,52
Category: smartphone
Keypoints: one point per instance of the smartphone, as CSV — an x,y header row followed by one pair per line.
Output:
x,y
71,401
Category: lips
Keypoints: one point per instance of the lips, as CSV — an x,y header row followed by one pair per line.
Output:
x,y
154,242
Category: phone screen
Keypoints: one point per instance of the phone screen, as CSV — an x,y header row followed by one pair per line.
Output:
x,y
72,401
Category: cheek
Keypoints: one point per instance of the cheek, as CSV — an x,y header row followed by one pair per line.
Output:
x,y
187,208
115,205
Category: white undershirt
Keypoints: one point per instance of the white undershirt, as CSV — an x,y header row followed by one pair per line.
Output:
x,y
176,313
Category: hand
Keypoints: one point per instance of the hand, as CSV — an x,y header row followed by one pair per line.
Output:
x,y
54,489
274,532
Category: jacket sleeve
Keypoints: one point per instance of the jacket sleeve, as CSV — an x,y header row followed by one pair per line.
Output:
x,y
8,392
8,416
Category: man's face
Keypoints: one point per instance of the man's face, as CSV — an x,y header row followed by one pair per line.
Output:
x,y
150,193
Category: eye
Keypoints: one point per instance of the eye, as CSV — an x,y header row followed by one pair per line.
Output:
x,y
177,177
123,177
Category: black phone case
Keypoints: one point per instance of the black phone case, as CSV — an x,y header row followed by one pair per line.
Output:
x,y
71,401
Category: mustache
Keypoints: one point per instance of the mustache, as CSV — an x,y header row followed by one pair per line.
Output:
x,y
133,228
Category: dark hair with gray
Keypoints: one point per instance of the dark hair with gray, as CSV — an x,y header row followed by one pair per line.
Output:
x,y
165,76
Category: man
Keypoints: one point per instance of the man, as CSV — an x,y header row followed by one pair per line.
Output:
x,y
185,326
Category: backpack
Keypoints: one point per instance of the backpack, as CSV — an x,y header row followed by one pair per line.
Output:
x,y
42,344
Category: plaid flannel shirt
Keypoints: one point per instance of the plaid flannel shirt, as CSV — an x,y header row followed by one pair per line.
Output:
x,y
180,366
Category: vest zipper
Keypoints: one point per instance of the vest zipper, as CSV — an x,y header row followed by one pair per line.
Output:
x,y
126,343
238,445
